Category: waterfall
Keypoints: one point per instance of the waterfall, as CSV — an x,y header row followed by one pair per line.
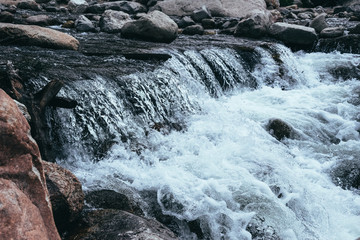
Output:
x,y
192,131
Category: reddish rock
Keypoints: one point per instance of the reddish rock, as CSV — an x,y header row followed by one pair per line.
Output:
x,y
20,165
66,195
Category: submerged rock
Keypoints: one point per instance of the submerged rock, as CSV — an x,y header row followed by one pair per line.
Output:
x,y
347,174
279,129
35,35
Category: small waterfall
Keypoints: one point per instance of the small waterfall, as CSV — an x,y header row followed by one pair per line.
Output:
x,y
193,133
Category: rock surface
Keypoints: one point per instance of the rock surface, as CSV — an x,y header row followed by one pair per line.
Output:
x,y
67,198
293,34
255,25
279,129
155,26
35,35
113,21
29,215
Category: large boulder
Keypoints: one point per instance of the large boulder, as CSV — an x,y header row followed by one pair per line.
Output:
x,y
114,224
25,211
217,8
35,35
155,26
83,24
319,23
112,21
255,25
66,195
293,34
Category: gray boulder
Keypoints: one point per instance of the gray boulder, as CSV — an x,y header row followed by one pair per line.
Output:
x,y
83,24
293,34
155,26
200,14
77,6
255,26
332,32
125,6
193,30
319,23
112,21
185,22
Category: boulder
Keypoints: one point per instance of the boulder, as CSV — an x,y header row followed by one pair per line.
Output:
x,y
112,21
111,224
193,30
355,30
344,44
6,17
217,8
41,20
279,129
35,35
77,6
208,23
155,26
346,174
83,24
66,195
332,32
25,211
200,14
185,22
319,23
255,25
31,5
293,34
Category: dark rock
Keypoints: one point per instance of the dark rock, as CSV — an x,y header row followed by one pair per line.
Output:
x,y
124,6
83,24
185,22
31,5
66,196
96,9
346,174
200,14
344,44
332,32
112,21
111,224
155,26
272,4
259,230
339,9
109,199
355,30
319,23
208,23
147,56
193,29
279,129
6,17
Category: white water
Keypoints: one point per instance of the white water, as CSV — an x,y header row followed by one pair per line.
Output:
x,y
225,168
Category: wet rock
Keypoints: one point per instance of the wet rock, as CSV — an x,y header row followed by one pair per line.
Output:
x,y
319,23
224,8
37,36
112,21
114,224
41,20
332,32
25,208
272,4
83,24
31,5
208,23
155,26
346,174
255,26
124,6
66,196
200,14
6,17
344,44
185,22
77,6
259,230
109,199
279,129
355,30
293,34
193,29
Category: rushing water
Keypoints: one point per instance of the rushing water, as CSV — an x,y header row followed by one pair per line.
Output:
x,y
193,131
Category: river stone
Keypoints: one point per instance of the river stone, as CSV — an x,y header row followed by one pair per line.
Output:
x,y
344,44
111,224
255,25
185,22
217,8
6,17
155,26
31,5
200,14
124,6
112,21
193,30
346,174
41,20
83,24
272,4
319,23
293,34
279,129
355,30
35,35
332,32
77,6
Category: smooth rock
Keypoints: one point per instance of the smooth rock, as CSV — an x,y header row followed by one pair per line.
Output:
x,y
155,26
112,21
66,195
217,8
332,32
83,24
77,6
37,36
319,23
185,21
41,20
255,25
200,14
193,29
293,34
28,213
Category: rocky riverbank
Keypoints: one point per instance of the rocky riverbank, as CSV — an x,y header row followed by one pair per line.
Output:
x,y
77,39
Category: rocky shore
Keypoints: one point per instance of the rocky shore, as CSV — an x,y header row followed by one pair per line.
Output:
x,y
65,40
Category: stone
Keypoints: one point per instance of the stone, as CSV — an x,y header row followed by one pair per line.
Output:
x,y
355,30
279,129
193,30
346,174
344,44
111,224
208,23
293,34
37,36
332,32
124,6
68,24
185,21
112,21
6,17
41,20
77,6
66,195
25,211
31,5
223,8
83,24
272,4
319,23
200,14
155,26
255,25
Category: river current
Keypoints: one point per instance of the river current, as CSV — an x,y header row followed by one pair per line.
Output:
x,y
193,131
